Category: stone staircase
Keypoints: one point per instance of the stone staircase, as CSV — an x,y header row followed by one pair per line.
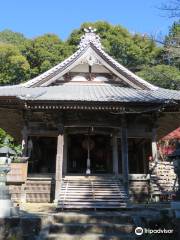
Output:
x,y
90,226
92,192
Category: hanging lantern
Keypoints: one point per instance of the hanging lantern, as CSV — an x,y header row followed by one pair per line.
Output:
x,y
88,143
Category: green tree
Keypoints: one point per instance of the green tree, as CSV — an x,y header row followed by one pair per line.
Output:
x,y
3,136
14,38
6,138
172,45
162,75
14,67
45,52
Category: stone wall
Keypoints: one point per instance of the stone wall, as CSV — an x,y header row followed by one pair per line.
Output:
x,y
32,191
163,182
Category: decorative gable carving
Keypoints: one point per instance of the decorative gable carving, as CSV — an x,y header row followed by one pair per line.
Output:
x,y
91,60
90,37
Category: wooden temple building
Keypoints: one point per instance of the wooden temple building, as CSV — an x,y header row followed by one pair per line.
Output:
x,y
89,127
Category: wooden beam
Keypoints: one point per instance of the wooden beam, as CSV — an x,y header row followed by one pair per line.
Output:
x,y
115,154
59,165
43,133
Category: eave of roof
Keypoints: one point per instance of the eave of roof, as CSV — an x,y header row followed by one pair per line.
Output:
x,y
112,93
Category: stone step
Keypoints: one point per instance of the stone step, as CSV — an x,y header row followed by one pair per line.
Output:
x,y
70,196
106,177
87,193
86,183
69,200
69,192
91,237
90,194
64,206
93,217
90,187
86,201
78,228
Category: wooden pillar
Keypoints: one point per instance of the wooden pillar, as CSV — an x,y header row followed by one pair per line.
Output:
x,y
24,145
124,152
59,164
65,154
154,145
115,154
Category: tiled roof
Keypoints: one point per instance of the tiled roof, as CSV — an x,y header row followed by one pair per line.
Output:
x,y
20,91
89,93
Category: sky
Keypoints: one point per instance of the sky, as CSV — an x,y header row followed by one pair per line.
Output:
x,y
36,17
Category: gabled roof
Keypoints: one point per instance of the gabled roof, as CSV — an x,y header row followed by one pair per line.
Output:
x,y
91,50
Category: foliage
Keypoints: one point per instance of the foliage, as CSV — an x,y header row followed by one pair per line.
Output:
x,y
45,52
172,45
162,75
4,137
14,67
13,38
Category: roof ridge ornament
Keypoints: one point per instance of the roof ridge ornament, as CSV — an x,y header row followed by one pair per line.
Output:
x,y
90,36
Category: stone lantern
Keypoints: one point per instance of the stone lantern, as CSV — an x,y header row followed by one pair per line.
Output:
x,y
5,198
175,157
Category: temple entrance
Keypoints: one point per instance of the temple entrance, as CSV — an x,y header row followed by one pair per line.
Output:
x,y
95,147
